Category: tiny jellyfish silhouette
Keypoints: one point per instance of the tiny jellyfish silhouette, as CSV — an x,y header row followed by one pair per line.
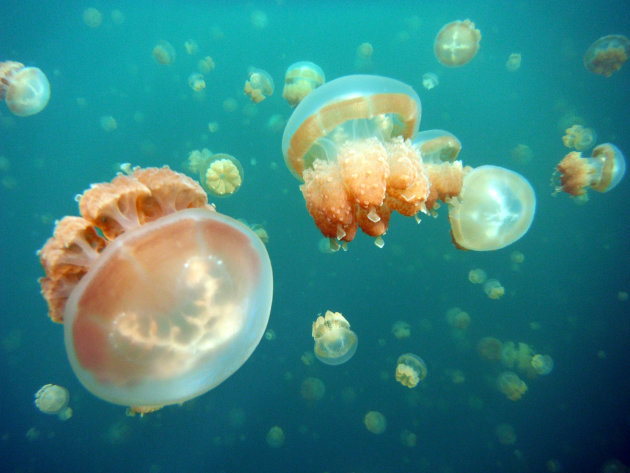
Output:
x,y
490,348
312,389
457,43
522,153
191,47
511,385
161,297
513,62
53,399
602,171
25,90
108,123
375,422
220,174
493,289
458,319
477,276
206,65
606,55
410,370
300,80
92,17
579,137
275,437
259,85
196,82
542,364
430,80
505,434
363,57
335,343
401,330
164,53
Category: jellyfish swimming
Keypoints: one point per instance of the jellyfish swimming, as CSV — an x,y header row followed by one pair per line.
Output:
x,y
430,80
196,82
513,62
25,90
410,370
375,422
335,343
606,55
161,297
602,171
300,80
259,85
53,399
220,174
493,289
457,43
437,146
579,137
542,364
164,53
275,437
511,385
494,209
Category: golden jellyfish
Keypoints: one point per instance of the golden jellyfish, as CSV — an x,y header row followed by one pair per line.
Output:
x,y
505,434
206,65
490,348
579,137
196,82
275,437
495,208
458,319
161,297
117,16
363,58
259,85
513,62
335,343
220,174
457,43
312,389
300,80
53,399
542,364
375,422
191,46
522,154
606,55
108,123
164,53
493,289
430,80
92,17
477,276
511,385
517,257
601,172
410,370
408,438
437,146
25,90
401,329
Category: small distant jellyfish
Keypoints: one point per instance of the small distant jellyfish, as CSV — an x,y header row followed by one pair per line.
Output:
x,y
410,370
430,80
312,389
164,53
191,47
92,17
276,123
196,82
401,329
335,343
542,364
477,276
579,137
108,123
213,127
118,17
457,43
25,90
490,348
53,399
363,57
516,257
511,385
206,65
259,85
260,232
513,62
522,154
220,174
275,437
300,80
606,55
270,335
408,438
375,422
458,319
505,434
259,19
493,289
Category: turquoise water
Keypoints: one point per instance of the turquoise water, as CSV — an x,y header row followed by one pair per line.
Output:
x,y
563,300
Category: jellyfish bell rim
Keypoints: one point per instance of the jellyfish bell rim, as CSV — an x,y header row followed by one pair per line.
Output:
x,y
43,84
336,93
613,168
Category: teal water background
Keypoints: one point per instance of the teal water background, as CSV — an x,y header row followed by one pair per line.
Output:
x,y
563,299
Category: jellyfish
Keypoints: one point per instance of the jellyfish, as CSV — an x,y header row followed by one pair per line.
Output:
x,y
601,172
505,434
511,385
522,153
495,208
408,438
477,276
401,329
458,319
275,437
363,57
164,53
513,62
437,146
53,399
457,43
196,82
161,297
430,80
606,55
25,90
493,289
312,389
220,174
191,46
92,17
259,85
206,65
375,422
108,123
542,364
259,19
118,17
490,348
300,80
579,137
335,343
410,370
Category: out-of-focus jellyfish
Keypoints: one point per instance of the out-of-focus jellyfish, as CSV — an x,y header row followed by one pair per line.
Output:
x,y
191,46
164,53
300,80
517,257
457,318
220,174
410,370
363,58
196,81
542,364
312,389
108,123
259,85
493,289
206,65
505,434
601,172
259,19
607,54
494,209
335,343
260,232
213,126
32,434
401,329
457,43
430,80
275,437
477,276
375,422
117,16
490,348
511,385
513,62
408,438
579,137
437,146
270,335
237,417
161,297
53,399
522,154
25,90
92,17
276,123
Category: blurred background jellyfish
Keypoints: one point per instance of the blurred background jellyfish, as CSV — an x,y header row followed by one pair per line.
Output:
x,y
401,329
522,154
206,65
513,62
164,53
457,43
363,57
312,389
335,343
542,364
493,289
275,437
494,209
601,172
144,325
606,55
25,90
579,137
490,348
92,17
457,318
505,434
220,174
511,385
430,80
410,370
259,85
375,422
53,399
191,47
477,276
196,82
108,123
300,80
437,146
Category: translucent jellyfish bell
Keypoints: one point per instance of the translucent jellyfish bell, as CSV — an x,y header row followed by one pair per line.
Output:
x,y
494,209
410,370
335,343
300,80
457,43
220,174
26,90
53,399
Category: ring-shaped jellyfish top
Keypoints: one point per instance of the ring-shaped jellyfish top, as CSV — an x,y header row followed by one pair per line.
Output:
x,y
354,97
